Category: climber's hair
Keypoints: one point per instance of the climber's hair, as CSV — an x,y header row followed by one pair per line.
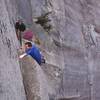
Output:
x,y
29,44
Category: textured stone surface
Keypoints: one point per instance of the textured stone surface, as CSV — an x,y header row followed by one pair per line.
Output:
x,y
11,85
81,64
70,47
35,81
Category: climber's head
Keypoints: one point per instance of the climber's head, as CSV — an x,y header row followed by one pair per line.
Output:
x,y
28,45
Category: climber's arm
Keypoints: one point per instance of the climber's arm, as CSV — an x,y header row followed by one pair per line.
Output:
x,y
23,55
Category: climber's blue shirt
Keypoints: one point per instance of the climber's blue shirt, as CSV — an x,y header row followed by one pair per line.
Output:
x,y
34,53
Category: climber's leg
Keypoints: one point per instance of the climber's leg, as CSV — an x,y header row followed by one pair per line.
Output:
x,y
20,38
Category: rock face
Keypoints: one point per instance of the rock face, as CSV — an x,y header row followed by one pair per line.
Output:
x,y
72,48
11,82
80,50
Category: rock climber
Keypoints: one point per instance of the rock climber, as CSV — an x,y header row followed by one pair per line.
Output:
x,y
33,51
20,27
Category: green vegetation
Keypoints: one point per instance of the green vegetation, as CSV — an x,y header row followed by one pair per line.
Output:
x,y
44,20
